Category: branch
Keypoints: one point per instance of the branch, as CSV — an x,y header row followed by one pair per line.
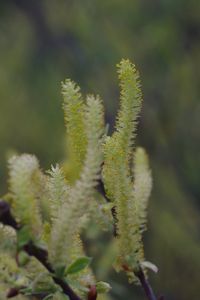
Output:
x,y
13,292
5,216
41,255
145,285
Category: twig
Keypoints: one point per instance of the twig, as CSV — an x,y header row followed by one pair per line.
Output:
x,y
40,254
16,291
145,285
5,216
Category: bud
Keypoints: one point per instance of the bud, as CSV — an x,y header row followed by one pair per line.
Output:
x,y
103,287
92,294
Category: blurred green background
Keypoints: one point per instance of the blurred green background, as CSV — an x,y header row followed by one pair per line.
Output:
x,y
42,42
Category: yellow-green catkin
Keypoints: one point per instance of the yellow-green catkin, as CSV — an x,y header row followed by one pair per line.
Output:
x,y
71,213
74,107
22,171
117,177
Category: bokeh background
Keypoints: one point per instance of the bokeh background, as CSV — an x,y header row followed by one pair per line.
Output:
x,y
42,42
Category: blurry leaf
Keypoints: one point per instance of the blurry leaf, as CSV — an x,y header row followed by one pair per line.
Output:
x,y
60,271
23,258
78,265
23,237
26,291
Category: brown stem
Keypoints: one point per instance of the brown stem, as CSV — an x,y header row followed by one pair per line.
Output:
x,y
40,254
16,291
145,285
5,215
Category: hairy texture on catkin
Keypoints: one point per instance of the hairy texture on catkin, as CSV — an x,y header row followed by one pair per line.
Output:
x,y
74,107
130,203
22,171
70,214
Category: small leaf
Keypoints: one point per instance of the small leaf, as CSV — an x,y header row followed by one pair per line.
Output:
x,y
26,291
149,265
23,237
78,265
23,258
60,271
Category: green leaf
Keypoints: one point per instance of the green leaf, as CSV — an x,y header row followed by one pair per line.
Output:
x,y
60,271
23,237
23,258
26,291
78,265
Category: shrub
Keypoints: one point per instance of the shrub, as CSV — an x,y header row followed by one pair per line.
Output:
x,y
103,178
